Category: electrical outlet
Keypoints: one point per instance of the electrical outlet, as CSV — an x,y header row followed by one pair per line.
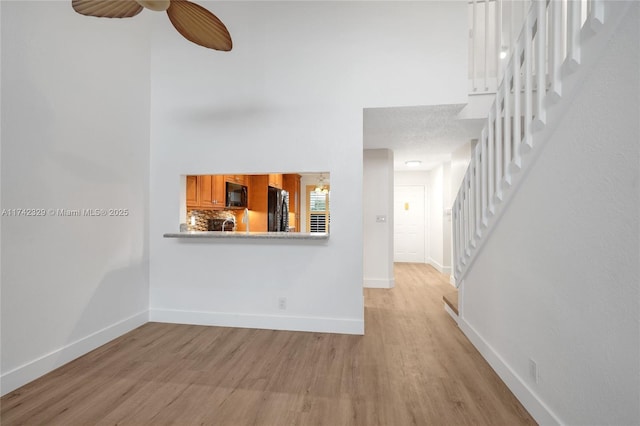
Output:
x,y
282,303
533,371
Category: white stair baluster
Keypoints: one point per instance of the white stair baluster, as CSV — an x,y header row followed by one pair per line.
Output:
x,y
498,38
541,69
573,34
478,192
596,14
465,213
484,175
517,104
474,51
486,45
528,86
472,202
490,158
506,155
498,143
555,50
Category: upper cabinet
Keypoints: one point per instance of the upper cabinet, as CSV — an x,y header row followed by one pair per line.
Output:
x,y
209,192
239,179
206,195
259,203
212,191
193,193
275,180
291,184
219,190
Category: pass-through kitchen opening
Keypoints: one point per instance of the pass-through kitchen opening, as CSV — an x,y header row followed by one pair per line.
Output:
x,y
256,203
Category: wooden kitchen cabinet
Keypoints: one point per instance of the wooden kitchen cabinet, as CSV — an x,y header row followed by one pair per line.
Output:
x,y
204,187
193,193
239,179
259,203
275,180
209,192
218,191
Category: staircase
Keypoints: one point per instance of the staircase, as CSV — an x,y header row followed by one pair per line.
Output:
x,y
559,42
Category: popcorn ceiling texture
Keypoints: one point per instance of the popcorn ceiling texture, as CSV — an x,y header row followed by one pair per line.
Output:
x,y
427,133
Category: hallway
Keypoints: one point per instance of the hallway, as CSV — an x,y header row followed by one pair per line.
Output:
x,y
438,377
413,367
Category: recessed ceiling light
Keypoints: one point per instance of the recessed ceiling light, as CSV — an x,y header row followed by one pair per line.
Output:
x,y
413,163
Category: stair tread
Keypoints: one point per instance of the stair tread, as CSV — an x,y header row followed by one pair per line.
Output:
x,y
451,299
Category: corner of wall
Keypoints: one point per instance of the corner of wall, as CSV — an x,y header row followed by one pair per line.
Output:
x,y
32,370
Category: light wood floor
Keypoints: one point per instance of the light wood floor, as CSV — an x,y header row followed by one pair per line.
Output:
x,y
413,367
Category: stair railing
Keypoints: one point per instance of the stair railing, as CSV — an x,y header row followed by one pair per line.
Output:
x,y
549,43
492,31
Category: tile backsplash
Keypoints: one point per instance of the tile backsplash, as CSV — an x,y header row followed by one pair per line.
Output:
x,y
202,217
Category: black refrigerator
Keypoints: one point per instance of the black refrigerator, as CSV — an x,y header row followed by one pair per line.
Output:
x,y
278,220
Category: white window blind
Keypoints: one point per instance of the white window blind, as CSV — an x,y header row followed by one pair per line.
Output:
x,y
318,218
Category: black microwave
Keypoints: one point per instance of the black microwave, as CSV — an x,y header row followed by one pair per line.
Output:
x,y
237,196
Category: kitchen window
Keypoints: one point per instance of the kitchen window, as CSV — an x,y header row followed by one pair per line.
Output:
x,y
318,217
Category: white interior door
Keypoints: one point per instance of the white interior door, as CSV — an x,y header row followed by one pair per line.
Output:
x,y
408,223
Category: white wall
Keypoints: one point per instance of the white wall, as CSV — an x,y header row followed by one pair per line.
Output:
x,y
289,97
446,217
558,279
436,217
418,177
439,234
75,135
378,201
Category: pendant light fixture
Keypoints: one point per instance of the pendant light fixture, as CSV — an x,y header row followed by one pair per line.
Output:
x,y
321,187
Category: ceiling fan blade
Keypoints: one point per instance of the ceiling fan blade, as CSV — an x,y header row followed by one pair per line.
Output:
x,y
107,8
198,25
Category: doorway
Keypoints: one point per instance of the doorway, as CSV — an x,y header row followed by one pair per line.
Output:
x,y
409,222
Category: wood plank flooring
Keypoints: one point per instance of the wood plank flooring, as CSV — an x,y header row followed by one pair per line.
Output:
x,y
413,367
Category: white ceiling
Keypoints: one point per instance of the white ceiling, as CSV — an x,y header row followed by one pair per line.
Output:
x,y
426,133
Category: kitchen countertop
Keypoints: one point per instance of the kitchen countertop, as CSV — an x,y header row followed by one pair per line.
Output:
x,y
250,235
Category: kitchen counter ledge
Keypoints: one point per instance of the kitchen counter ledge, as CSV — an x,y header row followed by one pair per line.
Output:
x,y
251,235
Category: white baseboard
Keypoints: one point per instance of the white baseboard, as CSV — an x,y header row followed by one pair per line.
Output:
x,y
30,371
441,268
538,409
269,322
452,280
368,283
